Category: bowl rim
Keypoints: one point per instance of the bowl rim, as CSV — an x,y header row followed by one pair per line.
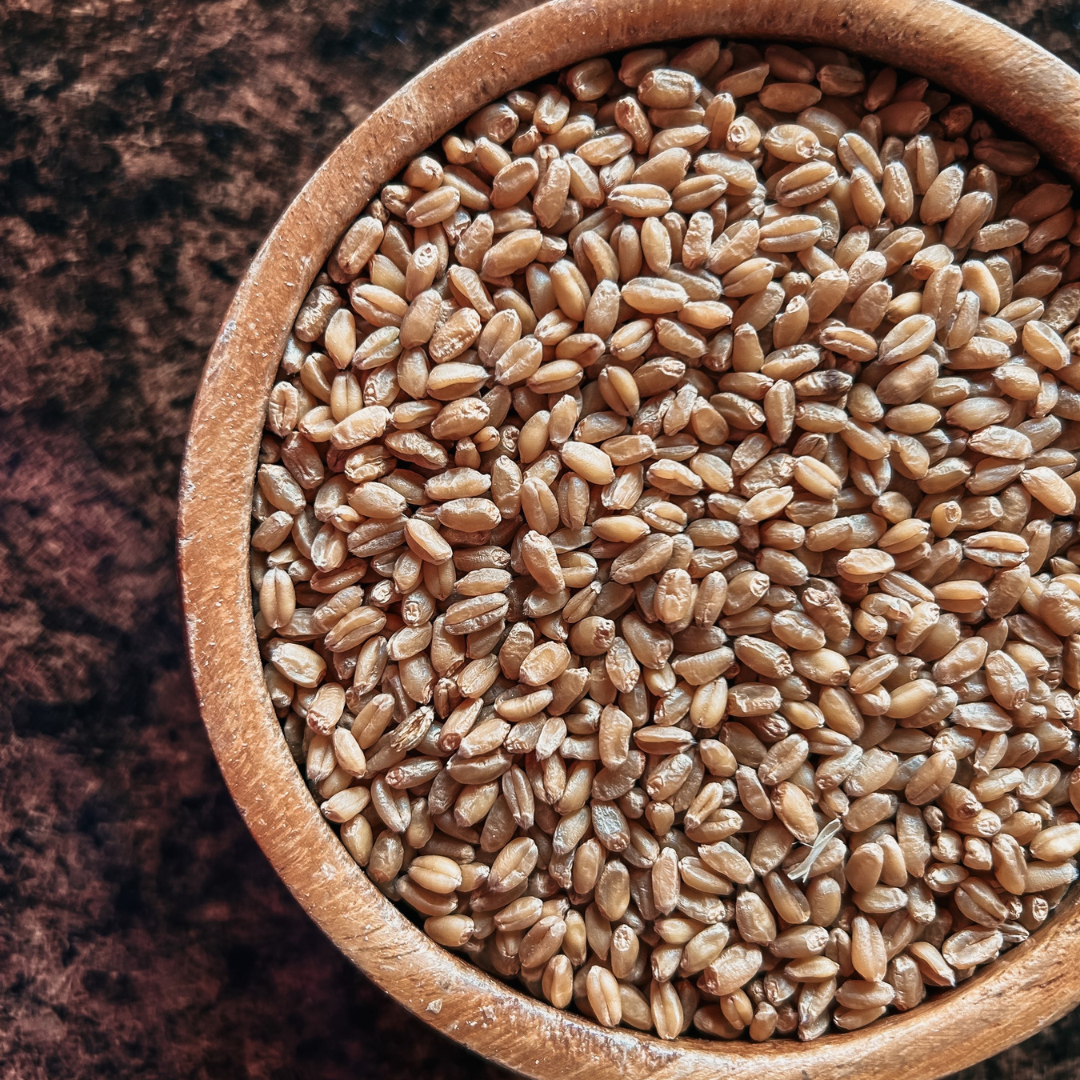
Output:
x,y
974,56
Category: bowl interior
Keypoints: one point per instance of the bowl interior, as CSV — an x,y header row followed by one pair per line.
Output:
x,y
971,55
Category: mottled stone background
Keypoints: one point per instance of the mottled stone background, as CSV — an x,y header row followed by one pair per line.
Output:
x,y
145,150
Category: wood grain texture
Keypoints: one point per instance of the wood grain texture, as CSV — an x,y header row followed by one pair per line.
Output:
x,y
145,152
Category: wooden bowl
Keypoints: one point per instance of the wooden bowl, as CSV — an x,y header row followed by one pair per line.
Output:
x,y
977,58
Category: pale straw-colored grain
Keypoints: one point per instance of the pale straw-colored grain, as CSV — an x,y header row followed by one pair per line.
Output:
x,y
664,548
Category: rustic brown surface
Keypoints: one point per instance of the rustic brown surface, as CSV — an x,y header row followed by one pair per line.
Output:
x,y
145,151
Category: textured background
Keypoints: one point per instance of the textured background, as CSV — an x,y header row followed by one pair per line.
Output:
x,y
145,150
